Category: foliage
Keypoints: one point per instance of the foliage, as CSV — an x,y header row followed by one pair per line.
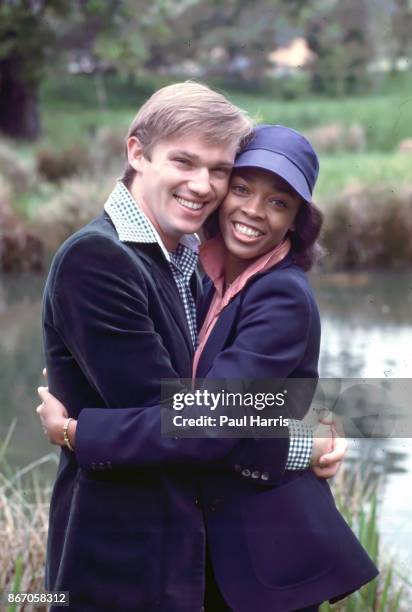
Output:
x,y
76,203
359,504
24,502
56,164
369,227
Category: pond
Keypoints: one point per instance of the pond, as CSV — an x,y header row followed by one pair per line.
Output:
x,y
366,332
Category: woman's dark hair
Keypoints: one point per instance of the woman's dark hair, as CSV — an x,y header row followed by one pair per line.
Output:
x,y
308,223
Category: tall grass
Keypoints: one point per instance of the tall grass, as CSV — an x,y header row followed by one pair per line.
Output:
x,y
359,504
24,503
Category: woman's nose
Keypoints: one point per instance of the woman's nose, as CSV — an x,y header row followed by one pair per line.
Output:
x,y
253,207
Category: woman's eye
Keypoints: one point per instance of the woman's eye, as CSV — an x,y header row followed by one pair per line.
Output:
x,y
241,189
279,203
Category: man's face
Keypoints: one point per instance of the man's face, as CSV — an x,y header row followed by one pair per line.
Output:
x,y
182,184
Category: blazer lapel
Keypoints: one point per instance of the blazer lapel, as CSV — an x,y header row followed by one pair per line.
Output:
x,y
218,336
166,286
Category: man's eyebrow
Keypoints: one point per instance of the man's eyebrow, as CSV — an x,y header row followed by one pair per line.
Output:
x,y
197,159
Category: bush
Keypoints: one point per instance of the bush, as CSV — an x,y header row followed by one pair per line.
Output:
x,y
369,227
337,137
55,165
20,249
12,169
78,201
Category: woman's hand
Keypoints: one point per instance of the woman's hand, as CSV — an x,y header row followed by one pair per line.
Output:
x,y
53,416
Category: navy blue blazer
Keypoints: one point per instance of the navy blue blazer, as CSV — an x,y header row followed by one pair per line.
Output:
x,y
126,536
286,547
277,547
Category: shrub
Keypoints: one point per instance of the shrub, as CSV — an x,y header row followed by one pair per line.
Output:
x,y
109,149
337,137
76,203
20,249
12,169
54,165
369,227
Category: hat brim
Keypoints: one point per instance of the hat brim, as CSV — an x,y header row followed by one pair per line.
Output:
x,y
278,164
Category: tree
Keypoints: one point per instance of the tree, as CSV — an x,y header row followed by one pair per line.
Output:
x,y
26,36
338,33
35,33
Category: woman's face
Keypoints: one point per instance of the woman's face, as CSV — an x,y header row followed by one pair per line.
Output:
x,y
258,211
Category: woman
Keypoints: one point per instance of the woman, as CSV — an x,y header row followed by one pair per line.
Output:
x,y
282,548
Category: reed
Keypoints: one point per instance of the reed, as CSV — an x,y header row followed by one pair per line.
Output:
x,y
24,504
358,500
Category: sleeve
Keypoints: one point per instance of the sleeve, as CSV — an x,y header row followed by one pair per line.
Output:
x,y
300,445
271,338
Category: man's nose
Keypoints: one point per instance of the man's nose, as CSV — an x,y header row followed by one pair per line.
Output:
x,y
199,182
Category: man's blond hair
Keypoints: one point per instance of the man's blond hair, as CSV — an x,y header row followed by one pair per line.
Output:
x,y
184,108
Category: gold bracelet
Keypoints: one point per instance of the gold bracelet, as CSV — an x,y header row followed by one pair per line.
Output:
x,y
66,437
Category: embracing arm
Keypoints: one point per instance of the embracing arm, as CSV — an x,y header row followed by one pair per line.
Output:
x,y
99,303
131,436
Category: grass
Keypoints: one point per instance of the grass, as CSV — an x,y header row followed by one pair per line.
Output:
x,y
24,503
386,118
341,170
71,112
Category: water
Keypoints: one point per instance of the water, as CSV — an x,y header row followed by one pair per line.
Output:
x,y
366,332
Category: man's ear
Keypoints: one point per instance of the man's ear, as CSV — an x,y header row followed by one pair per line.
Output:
x,y
135,155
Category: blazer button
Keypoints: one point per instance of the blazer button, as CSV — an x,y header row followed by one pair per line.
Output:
x,y
256,474
246,473
265,476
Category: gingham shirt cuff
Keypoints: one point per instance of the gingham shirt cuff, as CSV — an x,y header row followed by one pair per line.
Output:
x,y
300,445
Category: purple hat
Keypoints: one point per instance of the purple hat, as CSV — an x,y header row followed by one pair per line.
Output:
x,y
285,152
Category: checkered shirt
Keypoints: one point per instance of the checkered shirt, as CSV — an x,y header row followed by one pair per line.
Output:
x,y
132,225
300,445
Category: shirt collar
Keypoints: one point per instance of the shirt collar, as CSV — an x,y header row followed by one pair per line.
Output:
x,y
212,255
132,225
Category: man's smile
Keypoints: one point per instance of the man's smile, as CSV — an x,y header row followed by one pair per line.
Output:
x,y
191,204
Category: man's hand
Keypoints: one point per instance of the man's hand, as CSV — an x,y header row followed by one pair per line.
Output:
x,y
329,447
53,416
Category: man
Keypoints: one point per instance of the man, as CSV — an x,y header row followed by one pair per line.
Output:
x,y
119,316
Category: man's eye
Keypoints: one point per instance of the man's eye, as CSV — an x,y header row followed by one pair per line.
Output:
x,y
184,162
224,172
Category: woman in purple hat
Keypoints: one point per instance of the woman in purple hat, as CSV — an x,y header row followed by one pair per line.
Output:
x,y
273,543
